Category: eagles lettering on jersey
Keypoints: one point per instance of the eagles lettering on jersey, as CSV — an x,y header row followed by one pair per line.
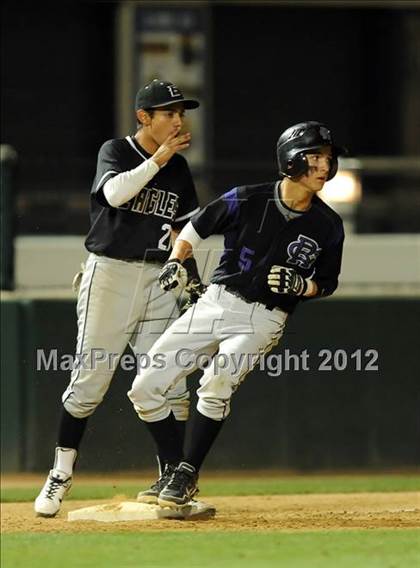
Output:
x,y
259,231
151,201
139,229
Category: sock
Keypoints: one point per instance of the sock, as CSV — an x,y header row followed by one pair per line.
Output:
x,y
204,431
181,425
70,431
168,441
64,459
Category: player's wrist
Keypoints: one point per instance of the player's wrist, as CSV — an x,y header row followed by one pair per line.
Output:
x,y
301,285
311,288
158,161
190,265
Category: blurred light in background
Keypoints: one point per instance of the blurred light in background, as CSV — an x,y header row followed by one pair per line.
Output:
x,y
344,192
345,187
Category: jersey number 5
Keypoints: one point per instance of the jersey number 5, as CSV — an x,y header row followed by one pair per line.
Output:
x,y
245,262
165,240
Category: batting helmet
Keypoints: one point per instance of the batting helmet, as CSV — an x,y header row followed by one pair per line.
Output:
x,y
300,139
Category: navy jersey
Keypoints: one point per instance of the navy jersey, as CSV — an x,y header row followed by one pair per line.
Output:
x,y
139,229
260,231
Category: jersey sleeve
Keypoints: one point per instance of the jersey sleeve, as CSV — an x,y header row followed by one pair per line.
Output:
x,y
219,216
328,265
108,165
188,203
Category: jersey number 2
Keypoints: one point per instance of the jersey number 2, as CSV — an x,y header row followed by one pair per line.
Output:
x,y
165,240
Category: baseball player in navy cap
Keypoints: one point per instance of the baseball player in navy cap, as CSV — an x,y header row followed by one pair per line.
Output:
x,y
141,197
283,245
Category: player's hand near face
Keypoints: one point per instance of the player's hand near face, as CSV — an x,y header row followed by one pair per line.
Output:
x,y
173,143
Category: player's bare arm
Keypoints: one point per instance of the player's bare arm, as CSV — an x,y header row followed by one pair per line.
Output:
x,y
182,250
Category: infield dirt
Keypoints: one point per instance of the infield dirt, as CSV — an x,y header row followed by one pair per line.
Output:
x,y
244,513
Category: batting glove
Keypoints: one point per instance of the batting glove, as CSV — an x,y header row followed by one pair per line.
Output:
x,y
283,280
172,275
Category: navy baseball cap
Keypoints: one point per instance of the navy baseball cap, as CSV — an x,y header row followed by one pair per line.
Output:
x,y
162,93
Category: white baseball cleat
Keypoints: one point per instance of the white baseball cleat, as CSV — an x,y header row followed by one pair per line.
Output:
x,y
193,510
196,510
48,502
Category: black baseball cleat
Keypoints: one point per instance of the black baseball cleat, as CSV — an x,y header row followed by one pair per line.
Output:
x,y
181,488
151,495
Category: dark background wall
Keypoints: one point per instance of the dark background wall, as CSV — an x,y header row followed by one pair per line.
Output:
x,y
311,419
57,89
278,66
56,105
271,66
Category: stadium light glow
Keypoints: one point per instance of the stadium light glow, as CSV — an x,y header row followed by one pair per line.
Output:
x,y
345,187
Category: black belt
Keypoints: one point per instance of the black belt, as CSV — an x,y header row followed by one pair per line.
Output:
x,y
150,261
247,300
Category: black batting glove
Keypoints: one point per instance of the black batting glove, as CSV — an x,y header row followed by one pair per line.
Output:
x,y
193,291
190,265
284,280
172,275
195,288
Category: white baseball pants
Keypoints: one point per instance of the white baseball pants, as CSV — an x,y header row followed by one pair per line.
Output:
x,y
119,303
235,332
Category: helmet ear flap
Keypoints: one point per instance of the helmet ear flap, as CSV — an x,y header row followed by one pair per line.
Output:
x,y
297,166
289,169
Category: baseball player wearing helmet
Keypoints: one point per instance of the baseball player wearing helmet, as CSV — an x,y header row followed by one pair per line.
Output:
x,y
283,245
142,195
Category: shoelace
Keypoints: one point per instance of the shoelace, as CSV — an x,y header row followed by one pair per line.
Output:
x,y
164,478
53,487
180,480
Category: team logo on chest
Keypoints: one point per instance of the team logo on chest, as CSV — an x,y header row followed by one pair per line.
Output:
x,y
303,252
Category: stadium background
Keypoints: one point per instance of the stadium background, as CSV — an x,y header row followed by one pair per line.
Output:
x,y
69,74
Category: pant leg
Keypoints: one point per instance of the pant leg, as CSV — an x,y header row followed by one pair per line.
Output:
x,y
248,333
161,311
107,310
174,357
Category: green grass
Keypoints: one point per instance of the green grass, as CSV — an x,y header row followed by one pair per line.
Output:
x,y
264,485
364,549
371,548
